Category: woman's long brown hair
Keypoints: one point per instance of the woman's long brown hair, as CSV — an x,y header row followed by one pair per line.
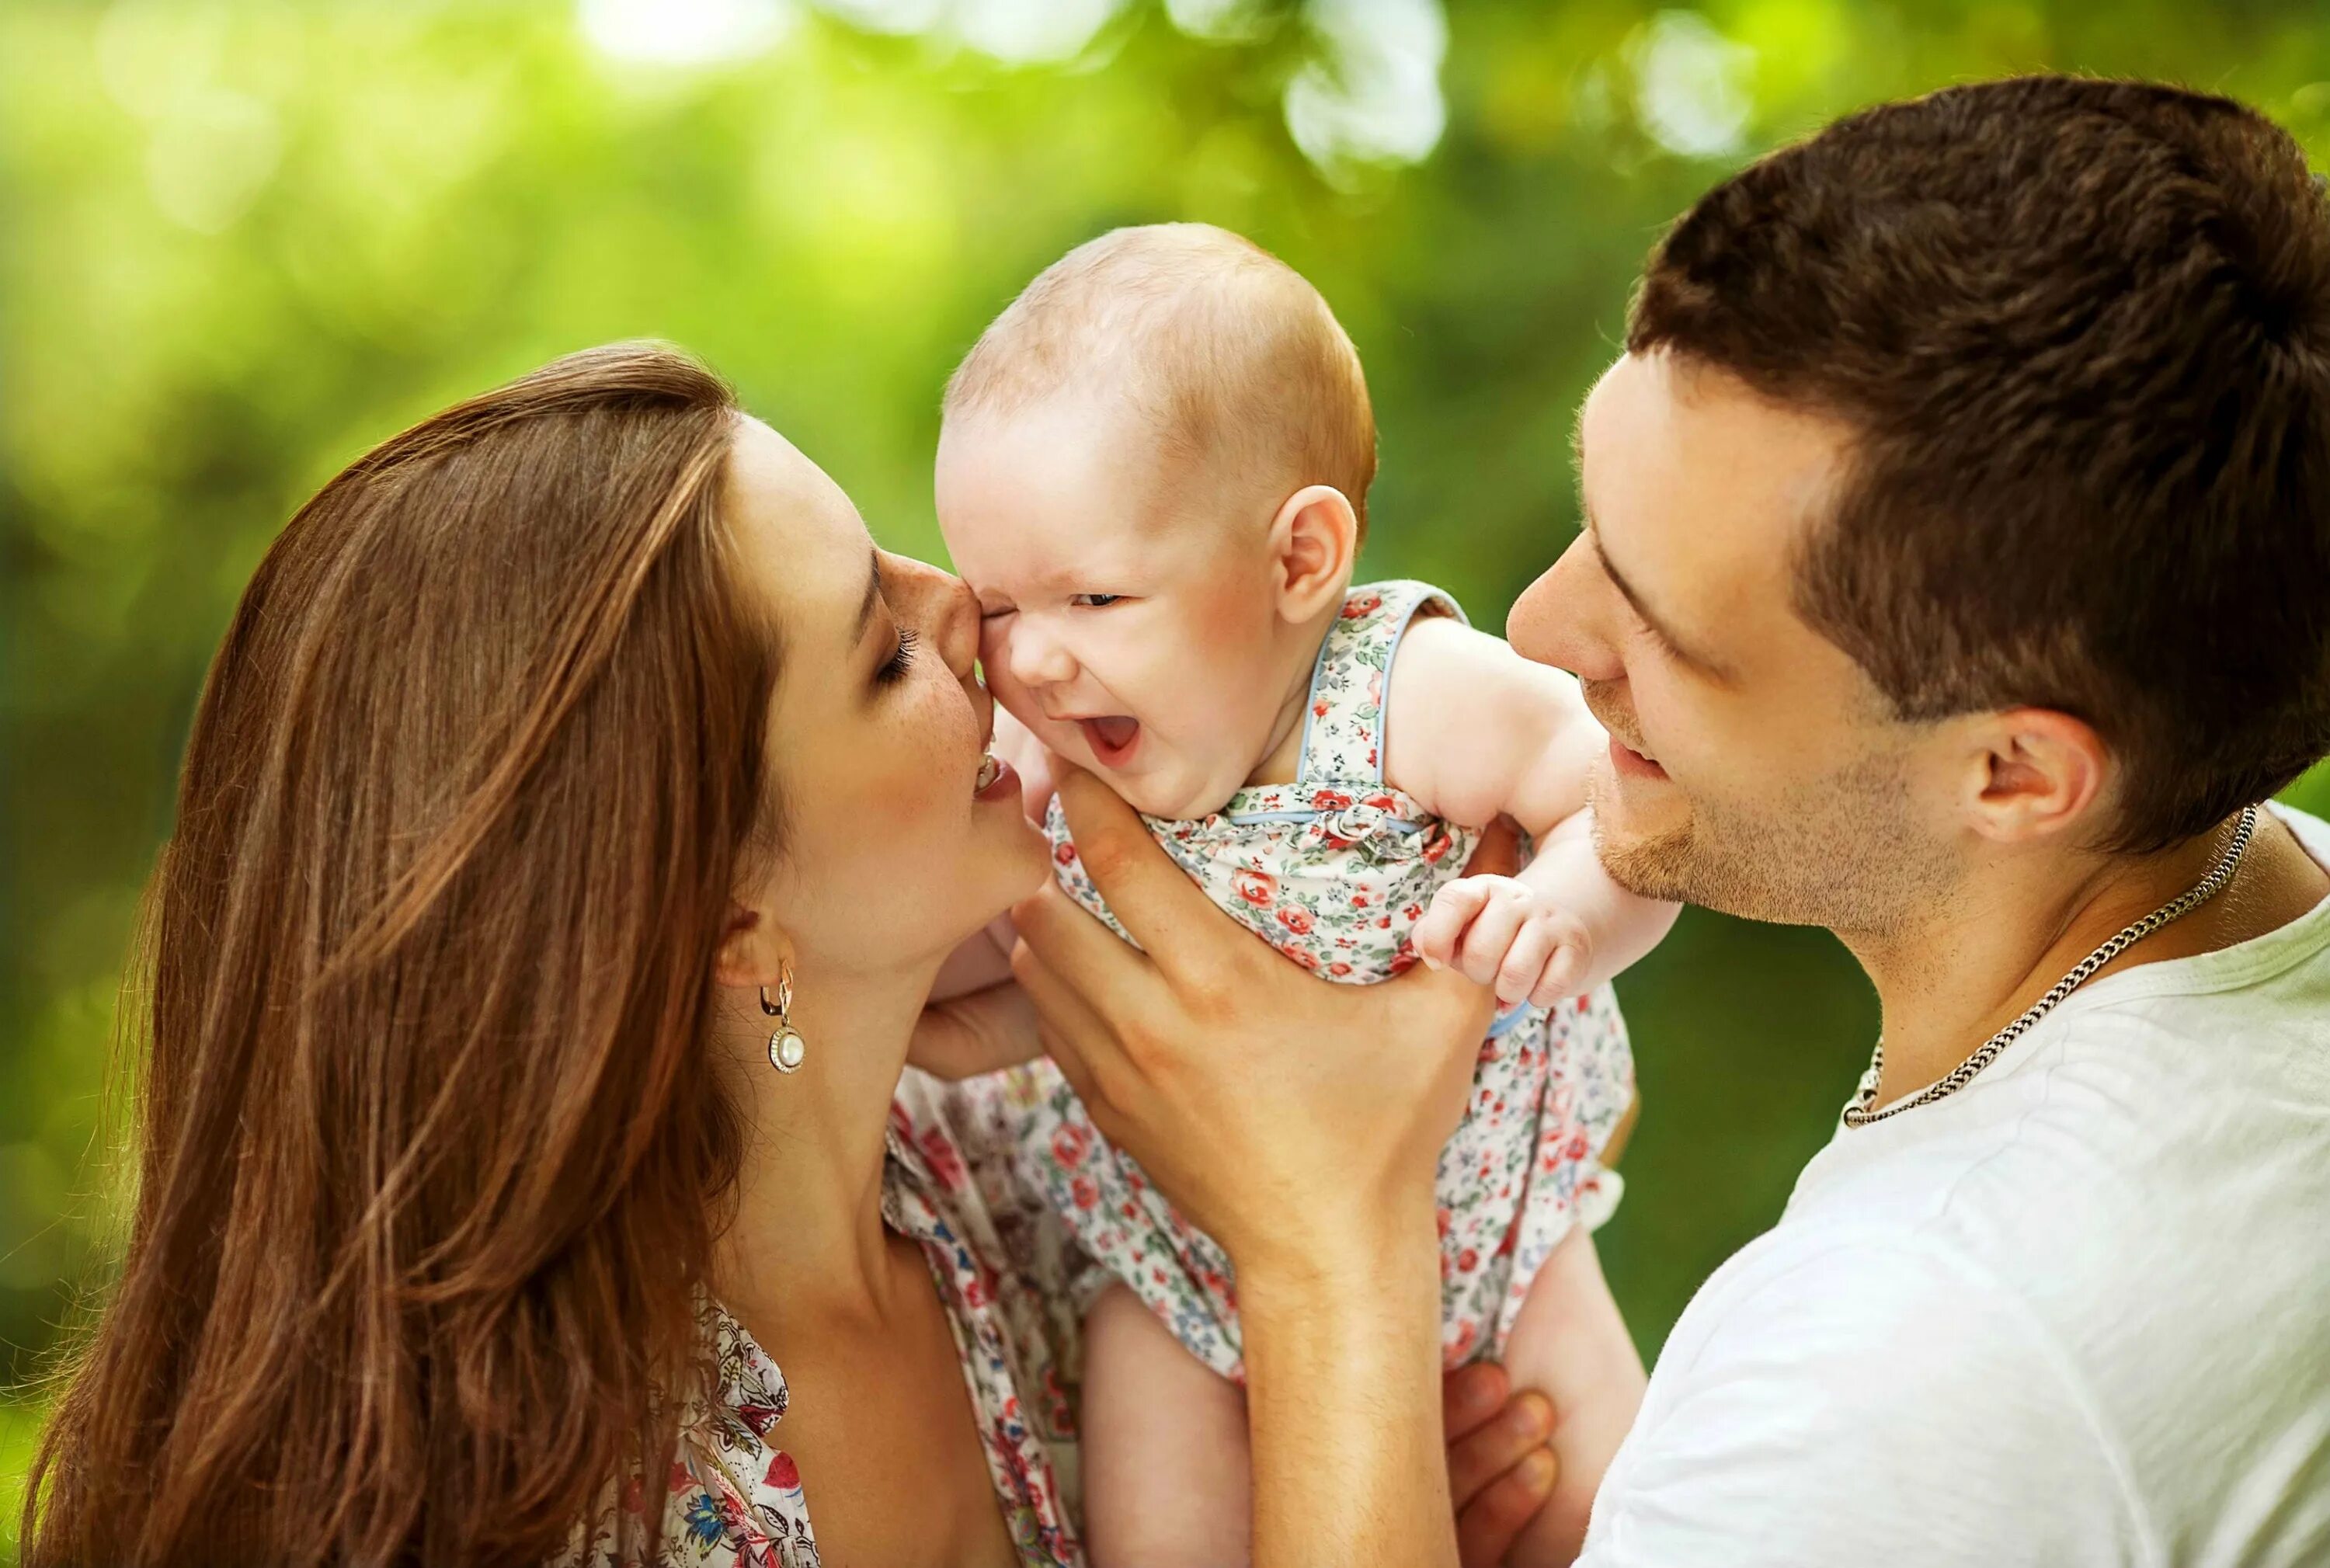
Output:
x,y
431,1152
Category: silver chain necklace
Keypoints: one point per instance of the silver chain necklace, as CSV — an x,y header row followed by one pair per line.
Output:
x,y
1858,1111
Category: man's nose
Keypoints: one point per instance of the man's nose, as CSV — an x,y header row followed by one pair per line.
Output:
x,y
1035,655
1558,621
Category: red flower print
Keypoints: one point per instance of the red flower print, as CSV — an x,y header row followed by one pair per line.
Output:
x,y
1466,1333
1256,887
945,1164
1414,911
1437,846
1319,708
1366,604
1329,799
1383,802
1065,853
1467,1261
1401,963
1441,1218
1084,1191
1359,901
783,1472
1296,920
1071,1144
1339,969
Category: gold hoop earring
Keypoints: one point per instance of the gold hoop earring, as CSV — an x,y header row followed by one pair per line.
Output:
x,y
786,1047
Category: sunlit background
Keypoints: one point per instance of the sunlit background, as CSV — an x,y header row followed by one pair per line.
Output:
x,y
242,241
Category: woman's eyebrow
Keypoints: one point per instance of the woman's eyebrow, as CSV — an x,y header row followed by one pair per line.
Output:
x,y
873,592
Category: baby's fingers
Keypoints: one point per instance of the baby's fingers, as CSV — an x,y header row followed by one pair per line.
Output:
x,y
1564,975
1524,968
1437,935
1491,937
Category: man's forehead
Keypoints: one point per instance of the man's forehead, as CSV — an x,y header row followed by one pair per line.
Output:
x,y
1700,489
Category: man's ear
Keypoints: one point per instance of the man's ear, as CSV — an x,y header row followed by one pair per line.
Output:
x,y
2033,773
753,951
1314,542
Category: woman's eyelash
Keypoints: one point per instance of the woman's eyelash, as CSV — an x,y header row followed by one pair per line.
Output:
x,y
896,667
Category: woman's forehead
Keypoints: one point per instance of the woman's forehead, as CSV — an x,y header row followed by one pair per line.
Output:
x,y
802,542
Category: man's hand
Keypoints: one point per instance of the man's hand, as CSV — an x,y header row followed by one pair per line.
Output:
x,y
1299,1122
1281,1113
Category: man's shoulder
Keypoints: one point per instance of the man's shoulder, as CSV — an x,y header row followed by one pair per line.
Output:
x,y
1836,1390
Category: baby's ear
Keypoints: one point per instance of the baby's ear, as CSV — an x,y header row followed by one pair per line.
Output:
x,y
1314,542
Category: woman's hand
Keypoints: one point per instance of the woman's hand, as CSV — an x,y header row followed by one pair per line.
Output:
x,y
1299,1122
1500,1471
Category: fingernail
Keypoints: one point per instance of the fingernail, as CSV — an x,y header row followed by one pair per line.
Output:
x,y
1536,1472
1532,1417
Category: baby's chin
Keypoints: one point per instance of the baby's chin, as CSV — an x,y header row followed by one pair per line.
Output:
x,y
1177,798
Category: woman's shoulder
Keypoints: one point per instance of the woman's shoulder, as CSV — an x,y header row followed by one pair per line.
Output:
x,y
731,1497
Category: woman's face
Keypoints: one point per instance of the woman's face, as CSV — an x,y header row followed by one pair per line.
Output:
x,y
890,852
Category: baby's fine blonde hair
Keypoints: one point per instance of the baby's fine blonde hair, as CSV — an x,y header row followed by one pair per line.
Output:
x,y
1228,353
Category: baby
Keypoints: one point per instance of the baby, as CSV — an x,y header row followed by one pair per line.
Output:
x,y
1153,471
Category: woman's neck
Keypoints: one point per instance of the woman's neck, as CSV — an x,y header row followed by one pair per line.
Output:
x,y
807,1238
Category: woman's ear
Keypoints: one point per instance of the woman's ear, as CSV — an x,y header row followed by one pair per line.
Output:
x,y
1314,541
753,951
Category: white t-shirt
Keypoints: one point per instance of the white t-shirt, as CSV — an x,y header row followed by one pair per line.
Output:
x,y
2076,1314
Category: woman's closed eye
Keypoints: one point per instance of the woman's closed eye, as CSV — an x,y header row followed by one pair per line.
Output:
x,y
893,669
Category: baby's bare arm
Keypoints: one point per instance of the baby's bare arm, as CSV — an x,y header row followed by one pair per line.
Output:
x,y
1473,731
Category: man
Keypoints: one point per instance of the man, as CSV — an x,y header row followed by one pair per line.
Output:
x,y
1955,575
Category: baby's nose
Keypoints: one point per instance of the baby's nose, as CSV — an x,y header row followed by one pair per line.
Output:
x,y
1036,658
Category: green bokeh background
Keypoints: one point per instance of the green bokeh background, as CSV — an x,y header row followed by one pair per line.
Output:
x,y
239,242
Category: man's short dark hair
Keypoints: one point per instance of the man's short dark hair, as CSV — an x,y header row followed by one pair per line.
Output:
x,y
2082,330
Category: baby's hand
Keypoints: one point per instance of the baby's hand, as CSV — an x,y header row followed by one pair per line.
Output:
x,y
1499,929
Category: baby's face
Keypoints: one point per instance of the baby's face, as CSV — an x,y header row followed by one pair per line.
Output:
x,y
1135,629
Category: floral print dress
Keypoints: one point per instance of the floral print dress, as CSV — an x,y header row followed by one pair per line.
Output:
x,y
1334,869
1007,1276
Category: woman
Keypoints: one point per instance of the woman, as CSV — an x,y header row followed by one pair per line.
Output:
x,y
578,810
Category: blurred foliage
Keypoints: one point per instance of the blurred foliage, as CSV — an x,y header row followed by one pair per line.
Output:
x,y
244,241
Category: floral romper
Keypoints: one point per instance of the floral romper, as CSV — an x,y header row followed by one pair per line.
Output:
x,y
1007,1276
1334,869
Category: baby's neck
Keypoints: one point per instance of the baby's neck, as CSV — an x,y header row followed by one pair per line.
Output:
x,y
1282,754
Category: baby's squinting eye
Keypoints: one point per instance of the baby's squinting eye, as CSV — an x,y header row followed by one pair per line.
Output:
x,y
1096,601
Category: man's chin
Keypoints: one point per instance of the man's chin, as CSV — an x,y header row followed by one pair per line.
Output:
x,y
1651,865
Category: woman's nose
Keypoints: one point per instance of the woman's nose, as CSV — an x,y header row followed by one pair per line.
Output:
x,y
946,610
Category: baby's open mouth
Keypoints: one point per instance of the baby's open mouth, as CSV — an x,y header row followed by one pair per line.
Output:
x,y
1112,738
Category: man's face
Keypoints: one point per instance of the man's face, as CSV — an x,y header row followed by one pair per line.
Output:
x,y
1753,766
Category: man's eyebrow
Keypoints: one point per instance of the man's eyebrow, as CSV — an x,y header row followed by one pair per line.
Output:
x,y
1681,650
873,591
